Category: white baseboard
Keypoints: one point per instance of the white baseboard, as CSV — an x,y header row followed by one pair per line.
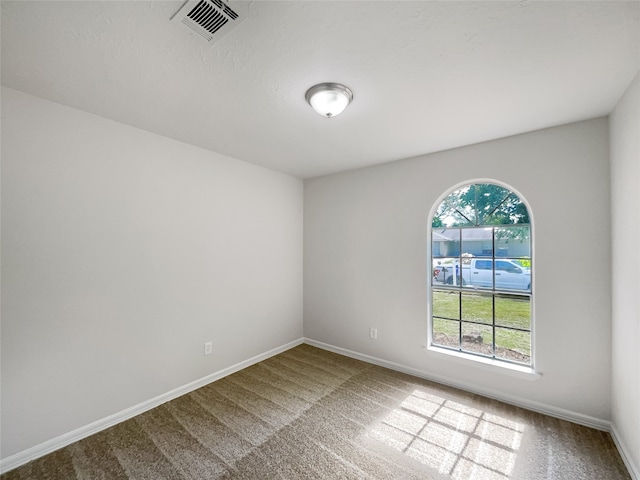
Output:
x,y
625,453
49,446
556,412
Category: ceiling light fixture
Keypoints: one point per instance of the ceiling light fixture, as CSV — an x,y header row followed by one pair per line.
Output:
x,y
329,99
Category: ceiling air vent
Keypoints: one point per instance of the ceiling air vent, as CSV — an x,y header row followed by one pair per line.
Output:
x,y
210,19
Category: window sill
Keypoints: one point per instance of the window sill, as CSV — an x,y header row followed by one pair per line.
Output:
x,y
489,364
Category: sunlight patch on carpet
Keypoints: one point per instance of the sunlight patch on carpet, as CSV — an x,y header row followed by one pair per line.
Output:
x,y
456,440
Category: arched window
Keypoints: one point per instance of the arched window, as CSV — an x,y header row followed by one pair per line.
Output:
x,y
481,278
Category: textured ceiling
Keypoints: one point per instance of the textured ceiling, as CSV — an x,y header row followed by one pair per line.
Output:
x,y
426,76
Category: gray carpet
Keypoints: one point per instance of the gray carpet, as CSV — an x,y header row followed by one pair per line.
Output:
x,y
308,413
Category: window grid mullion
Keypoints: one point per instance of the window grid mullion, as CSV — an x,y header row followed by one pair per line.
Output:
x,y
493,328
493,295
460,320
482,324
458,281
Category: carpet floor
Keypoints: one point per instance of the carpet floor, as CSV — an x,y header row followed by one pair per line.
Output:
x,y
308,413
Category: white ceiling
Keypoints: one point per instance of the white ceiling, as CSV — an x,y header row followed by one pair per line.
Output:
x,y
426,76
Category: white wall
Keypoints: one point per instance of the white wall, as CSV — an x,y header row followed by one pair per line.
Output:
x,y
122,253
625,229
365,237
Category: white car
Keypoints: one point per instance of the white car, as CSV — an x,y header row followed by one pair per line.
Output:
x,y
479,272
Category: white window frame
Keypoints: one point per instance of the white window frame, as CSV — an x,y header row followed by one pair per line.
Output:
x,y
480,361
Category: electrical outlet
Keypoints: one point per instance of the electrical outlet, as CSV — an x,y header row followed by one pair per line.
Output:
x,y
208,348
373,333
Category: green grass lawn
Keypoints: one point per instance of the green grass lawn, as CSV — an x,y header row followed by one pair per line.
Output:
x,y
509,312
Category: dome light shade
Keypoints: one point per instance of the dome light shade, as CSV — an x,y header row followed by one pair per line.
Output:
x,y
329,99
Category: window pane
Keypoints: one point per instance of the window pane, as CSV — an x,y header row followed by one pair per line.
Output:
x,y
446,332
513,345
447,272
446,304
489,198
499,206
512,274
445,242
478,308
477,242
514,242
513,312
456,209
477,338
